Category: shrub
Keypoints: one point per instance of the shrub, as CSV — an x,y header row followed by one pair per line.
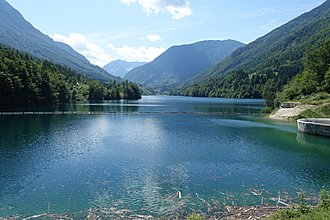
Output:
x,y
324,202
195,216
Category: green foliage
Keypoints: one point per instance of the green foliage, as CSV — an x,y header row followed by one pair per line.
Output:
x,y
303,212
17,33
324,202
96,90
129,90
314,214
315,79
25,80
265,66
320,111
195,216
303,208
239,84
267,110
285,214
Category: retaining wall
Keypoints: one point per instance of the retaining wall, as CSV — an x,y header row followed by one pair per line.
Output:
x,y
316,126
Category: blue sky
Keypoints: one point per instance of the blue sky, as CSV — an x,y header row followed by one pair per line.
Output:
x,y
139,30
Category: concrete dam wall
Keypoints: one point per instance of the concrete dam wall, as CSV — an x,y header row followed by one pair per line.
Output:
x,y
316,126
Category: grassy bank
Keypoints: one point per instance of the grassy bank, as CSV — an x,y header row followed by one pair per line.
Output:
x,y
298,208
300,211
311,214
307,109
319,111
304,212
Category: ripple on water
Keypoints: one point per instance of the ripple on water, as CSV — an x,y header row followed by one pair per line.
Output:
x,y
140,162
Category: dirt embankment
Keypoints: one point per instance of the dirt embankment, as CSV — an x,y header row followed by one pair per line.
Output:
x,y
289,113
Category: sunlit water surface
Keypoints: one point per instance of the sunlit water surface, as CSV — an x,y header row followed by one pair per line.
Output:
x,y
145,152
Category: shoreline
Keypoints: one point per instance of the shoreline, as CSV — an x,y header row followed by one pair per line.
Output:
x,y
227,213
286,114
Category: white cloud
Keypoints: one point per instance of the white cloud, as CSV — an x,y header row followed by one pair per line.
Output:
x,y
151,37
177,8
178,12
149,6
100,56
144,54
94,53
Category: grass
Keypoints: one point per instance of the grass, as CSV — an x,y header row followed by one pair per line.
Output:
x,y
315,99
313,214
321,101
320,111
303,212
299,212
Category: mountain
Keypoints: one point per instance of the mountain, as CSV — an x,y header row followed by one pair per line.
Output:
x,y
121,67
314,82
18,33
180,63
263,67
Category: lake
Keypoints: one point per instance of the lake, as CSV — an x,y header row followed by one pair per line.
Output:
x,y
154,156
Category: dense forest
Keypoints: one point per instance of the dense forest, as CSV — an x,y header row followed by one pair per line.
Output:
x,y
315,79
25,80
263,67
18,33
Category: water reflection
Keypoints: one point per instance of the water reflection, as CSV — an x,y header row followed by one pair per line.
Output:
x,y
155,104
141,161
308,139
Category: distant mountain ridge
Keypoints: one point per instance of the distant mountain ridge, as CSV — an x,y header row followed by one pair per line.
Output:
x,y
283,38
18,33
180,63
263,67
121,67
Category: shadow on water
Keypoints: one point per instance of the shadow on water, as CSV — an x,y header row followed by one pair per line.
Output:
x,y
154,104
113,106
308,139
313,143
27,125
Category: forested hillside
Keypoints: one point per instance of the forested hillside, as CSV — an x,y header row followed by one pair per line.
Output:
x,y
263,67
25,80
314,82
182,62
18,33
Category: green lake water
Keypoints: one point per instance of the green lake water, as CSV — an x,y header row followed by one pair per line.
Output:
x,y
142,154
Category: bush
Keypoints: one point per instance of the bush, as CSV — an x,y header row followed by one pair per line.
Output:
x,y
267,110
303,212
324,202
195,216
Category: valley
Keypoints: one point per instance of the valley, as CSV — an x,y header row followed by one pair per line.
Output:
x,y
180,109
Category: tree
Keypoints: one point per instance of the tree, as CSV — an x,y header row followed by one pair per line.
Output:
x,y
25,80
315,77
